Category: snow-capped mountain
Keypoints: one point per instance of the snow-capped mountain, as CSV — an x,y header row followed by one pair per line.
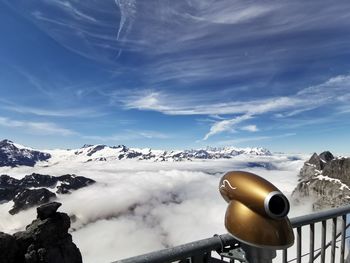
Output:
x,y
326,179
12,154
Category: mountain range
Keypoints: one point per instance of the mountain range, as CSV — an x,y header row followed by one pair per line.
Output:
x,y
13,154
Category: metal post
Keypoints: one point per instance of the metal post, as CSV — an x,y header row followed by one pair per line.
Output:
x,y
334,239
343,230
299,244
258,255
323,241
312,245
285,256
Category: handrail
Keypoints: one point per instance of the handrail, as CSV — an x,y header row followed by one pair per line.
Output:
x,y
183,251
319,216
217,242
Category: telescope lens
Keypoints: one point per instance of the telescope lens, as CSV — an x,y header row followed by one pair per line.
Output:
x,y
276,205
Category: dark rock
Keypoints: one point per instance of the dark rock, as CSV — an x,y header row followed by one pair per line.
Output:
x,y
17,190
44,240
38,180
316,161
8,187
339,169
72,182
96,149
8,193
11,155
131,155
6,181
24,241
326,156
47,210
27,198
124,148
8,249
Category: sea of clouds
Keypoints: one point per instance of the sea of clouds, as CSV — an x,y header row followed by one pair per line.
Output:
x,y
141,206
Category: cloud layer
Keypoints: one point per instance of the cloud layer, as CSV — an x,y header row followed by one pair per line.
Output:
x,y
138,207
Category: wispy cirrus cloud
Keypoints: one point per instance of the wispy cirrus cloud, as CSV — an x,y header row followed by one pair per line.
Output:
x,y
330,93
127,136
72,112
250,128
232,61
183,105
226,125
40,128
254,139
69,8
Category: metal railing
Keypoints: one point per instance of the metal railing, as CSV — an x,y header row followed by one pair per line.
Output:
x,y
209,250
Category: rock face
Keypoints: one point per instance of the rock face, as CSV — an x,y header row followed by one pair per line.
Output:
x,y
27,198
45,240
34,190
14,155
326,180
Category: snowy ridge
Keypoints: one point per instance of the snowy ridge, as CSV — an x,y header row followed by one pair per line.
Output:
x,y
106,153
12,154
99,153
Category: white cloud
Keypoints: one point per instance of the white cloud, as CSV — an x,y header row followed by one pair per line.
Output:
x,y
152,101
225,125
127,136
75,12
233,15
254,139
42,128
53,113
127,16
330,93
250,128
185,105
138,207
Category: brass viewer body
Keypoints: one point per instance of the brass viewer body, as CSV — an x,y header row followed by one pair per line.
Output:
x,y
257,211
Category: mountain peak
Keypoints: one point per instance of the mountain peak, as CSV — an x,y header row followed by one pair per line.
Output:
x,y
12,154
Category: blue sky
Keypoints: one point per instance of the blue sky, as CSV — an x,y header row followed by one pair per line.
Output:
x,y
176,74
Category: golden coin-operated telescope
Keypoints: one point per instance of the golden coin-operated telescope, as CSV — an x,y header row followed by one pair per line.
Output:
x,y
257,211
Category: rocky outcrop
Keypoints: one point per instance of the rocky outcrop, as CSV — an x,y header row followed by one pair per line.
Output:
x,y
45,240
37,189
72,182
326,180
27,198
14,155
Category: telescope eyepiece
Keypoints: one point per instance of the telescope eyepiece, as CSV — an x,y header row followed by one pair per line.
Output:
x,y
276,205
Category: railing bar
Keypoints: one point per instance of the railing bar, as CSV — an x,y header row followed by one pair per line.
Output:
x,y
334,233
303,255
323,241
284,256
342,246
183,251
320,216
187,250
312,244
306,254
329,243
299,244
